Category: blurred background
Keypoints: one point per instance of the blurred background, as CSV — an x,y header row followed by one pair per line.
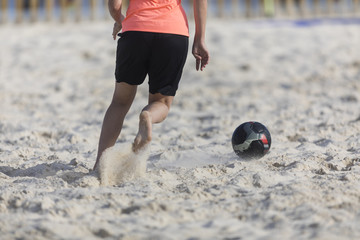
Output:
x,y
24,11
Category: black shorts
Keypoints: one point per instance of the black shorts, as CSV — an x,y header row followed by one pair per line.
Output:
x,y
160,55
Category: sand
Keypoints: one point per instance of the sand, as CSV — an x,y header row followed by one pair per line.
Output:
x,y
302,82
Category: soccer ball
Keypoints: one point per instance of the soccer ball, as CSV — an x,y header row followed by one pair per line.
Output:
x,y
251,140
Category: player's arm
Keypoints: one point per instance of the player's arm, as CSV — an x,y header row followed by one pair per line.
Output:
x,y
199,49
115,12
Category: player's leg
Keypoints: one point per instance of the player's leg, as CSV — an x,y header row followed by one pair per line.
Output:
x,y
168,56
155,112
114,117
131,69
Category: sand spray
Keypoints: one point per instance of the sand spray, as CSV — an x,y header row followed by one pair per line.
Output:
x,y
119,164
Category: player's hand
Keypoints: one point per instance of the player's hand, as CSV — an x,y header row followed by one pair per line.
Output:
x,y
117,28
201,54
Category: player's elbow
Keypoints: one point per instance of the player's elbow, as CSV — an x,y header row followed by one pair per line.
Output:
x,y
114,5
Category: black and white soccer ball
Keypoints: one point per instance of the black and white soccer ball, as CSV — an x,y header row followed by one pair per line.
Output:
x,y
251,140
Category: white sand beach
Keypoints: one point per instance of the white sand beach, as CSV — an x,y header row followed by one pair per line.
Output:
x,y
302,82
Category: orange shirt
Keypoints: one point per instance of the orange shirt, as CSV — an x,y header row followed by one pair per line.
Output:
x,y
162,16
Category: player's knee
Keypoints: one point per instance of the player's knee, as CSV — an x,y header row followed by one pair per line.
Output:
x,y
167,103
164,102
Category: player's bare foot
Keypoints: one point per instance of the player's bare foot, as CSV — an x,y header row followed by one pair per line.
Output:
x,y
144,135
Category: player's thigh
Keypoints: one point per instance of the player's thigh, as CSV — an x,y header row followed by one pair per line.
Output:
x,y
132,57
168,57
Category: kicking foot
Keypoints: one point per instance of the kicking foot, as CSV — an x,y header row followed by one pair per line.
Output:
x,y
144,135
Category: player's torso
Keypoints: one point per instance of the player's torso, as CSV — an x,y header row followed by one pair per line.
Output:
x,y
165,16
